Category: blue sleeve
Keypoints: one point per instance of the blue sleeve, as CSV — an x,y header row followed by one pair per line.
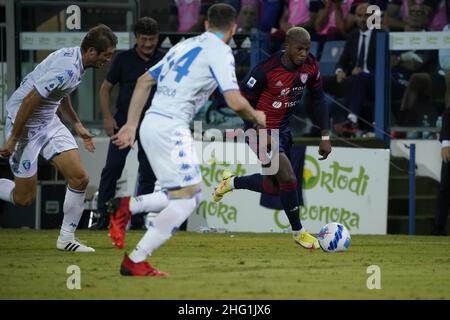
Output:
x,y
253,84
156,72
321,113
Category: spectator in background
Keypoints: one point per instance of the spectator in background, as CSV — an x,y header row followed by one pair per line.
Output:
x,y
330,23
125,70
248,16
247,21
303,13
438,14
419,67
188,15
399,13
236,4
443,204
278,36
269,13
444,63
351,18
357,68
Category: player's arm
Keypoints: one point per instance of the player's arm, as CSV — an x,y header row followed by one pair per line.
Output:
x,y
344,61
126,135
323,16
66,110
253,84
29,104
243,108
222,67
250,91
140,95
112,78
339,16
321,113
109,123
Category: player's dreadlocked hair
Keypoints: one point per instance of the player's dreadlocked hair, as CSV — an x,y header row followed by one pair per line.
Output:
x,y
100,37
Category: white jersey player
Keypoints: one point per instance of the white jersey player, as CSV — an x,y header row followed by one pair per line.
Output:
x,y
186,77
33,128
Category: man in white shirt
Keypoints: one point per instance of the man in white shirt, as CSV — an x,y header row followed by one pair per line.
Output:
x,y
186,77
33,129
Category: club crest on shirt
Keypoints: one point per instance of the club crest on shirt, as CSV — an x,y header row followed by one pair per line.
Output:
x,y
26,164
304,77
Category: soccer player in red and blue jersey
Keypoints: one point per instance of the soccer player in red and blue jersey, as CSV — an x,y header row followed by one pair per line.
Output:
x,y
276,87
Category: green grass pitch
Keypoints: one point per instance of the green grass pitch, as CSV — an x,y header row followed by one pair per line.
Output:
x,y
226,266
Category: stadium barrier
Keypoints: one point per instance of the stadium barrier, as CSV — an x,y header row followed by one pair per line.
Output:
x,y
350,187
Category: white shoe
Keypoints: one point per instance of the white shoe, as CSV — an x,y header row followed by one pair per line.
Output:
x,y
72,245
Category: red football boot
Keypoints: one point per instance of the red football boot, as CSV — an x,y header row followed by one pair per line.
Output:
x,y
119,217
140,269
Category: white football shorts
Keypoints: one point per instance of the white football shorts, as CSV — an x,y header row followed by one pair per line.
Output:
x,y
170,149
47,140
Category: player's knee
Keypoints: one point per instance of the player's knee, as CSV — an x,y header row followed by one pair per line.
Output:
x,y
79,181
288,180
24,200
270,188
186,192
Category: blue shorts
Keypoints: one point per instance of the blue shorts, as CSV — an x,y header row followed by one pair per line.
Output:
x,y
285,141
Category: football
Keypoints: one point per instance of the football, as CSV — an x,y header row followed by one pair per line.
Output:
x,y
334,237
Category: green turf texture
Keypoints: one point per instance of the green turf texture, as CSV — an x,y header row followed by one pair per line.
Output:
x,y
226,266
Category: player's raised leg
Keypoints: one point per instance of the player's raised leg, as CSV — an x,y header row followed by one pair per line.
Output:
x,y
121,209
69,164
284,184
181,204
21,191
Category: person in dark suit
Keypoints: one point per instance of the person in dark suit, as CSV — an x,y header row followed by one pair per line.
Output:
x,y
356,69
443,205
125,69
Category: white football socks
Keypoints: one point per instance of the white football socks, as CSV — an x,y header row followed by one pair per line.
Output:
x,y
153,202
232,183
163,227
73,210
6,189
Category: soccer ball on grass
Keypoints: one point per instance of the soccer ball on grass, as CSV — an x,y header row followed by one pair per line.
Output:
x,y
334,237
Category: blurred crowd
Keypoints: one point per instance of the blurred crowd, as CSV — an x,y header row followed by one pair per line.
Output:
x,y
420,80
324,19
